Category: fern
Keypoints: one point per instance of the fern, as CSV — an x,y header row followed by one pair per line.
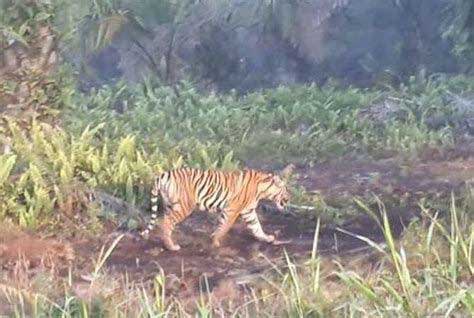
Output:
x,y
7,162
66,173
108,28
95,163
129,193
104,153
127,148
35,175
228,161
120,154
56,161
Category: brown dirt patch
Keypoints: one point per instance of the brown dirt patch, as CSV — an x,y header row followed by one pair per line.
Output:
x,y
197,266
33,251
361,177
241,259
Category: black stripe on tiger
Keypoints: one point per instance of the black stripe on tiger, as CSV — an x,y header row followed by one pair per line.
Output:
x,y
234,194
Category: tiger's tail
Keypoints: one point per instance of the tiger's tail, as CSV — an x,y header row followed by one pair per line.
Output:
x,y
155,193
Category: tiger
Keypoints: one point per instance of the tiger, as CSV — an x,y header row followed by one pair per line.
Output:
x,y
232,193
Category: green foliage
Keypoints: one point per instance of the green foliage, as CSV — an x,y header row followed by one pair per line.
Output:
x,y
270,129
425,273
47,162
416,277
350,49
117,137
114,139
459,26
105,20
298,124
18,18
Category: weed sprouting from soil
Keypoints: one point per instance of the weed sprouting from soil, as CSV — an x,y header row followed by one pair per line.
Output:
x,y
427,271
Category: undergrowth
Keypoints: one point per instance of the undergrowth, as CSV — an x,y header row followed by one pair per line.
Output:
x,y
47,173
427,272
116,138
60,148
303,124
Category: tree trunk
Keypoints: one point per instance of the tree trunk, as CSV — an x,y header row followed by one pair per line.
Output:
x,y
169,75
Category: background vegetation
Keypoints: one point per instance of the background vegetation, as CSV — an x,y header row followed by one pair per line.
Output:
x,y
245,45
97,96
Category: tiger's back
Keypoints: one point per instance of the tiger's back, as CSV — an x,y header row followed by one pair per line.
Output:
x,y
234,194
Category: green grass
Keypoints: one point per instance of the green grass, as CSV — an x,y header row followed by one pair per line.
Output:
x,y
428,272
116,138
299,124
48,172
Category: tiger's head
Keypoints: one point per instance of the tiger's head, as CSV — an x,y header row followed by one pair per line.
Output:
x,y
276,191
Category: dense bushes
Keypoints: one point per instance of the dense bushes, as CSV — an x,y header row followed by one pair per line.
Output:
x,y
276,126
48,174
114,139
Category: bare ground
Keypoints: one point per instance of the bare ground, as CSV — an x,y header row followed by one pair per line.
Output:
x,y
241,258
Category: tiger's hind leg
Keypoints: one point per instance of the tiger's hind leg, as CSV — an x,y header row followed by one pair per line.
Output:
x,y
173,216
253,224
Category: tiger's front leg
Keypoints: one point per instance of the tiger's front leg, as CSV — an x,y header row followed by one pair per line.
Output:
x,y
253,224
226,220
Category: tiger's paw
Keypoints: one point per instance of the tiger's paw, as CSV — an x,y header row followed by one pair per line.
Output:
x,y
216,243
170,245
282,242
174,247
270,238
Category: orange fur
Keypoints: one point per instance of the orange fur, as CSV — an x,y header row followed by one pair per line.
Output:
x,y
234,194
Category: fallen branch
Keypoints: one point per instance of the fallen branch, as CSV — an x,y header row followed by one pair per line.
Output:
x,y
115,205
